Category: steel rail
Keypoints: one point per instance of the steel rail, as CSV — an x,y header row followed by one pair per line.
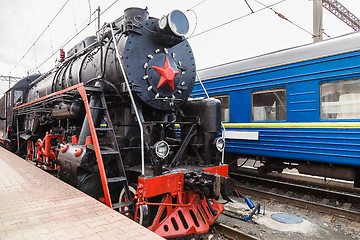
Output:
x,y
232,233
302,180
301,203
348,197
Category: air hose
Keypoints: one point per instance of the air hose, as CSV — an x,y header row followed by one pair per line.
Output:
x,y
254,209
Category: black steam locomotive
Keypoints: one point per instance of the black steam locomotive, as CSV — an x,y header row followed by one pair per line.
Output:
x,y
115,120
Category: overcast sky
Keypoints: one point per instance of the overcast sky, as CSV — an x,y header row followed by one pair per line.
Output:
x,y
23,21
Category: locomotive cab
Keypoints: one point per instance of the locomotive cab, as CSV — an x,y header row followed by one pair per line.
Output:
x,y
15,96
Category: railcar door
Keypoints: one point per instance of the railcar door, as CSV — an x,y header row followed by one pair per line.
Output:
x,y
3,117
9,109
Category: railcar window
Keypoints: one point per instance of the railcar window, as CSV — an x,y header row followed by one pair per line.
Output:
x,y
8,100
269,105
225,107
340,100
18,97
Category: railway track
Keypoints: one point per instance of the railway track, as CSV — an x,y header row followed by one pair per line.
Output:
x,y
322,200
232,233
303,180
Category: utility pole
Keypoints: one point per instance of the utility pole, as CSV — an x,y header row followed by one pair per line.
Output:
x,y
9,79
317,21
335,8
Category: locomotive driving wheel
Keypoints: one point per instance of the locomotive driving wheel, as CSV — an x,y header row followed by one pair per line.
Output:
x,y
143,213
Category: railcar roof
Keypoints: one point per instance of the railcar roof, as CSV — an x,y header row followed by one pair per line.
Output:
x,y
330,47
25,81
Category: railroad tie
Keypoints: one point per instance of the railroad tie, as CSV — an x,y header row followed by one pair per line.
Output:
x,y
324,201
346,206
288,193
306,197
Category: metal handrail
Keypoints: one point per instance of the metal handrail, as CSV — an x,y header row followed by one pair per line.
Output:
x,y
132,102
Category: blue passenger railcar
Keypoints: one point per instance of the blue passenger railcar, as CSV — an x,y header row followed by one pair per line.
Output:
x,y
296,107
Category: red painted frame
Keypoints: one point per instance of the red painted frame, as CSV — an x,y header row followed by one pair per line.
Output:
x,y
222,170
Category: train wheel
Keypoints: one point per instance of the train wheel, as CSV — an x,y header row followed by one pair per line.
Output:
x,y
37,153
143,213
30,151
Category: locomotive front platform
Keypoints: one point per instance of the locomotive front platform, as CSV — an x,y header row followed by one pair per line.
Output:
x,y
36,205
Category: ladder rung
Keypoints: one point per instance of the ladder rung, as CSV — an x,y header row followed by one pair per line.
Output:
x,y
100,108
104,129
116,179
127,211
93,89
108,152
122,204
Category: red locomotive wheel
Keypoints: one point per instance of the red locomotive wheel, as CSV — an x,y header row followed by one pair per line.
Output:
x,y
37,152
143,213
30,151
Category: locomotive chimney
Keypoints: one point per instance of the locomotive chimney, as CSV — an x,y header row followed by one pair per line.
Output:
x,y
135,15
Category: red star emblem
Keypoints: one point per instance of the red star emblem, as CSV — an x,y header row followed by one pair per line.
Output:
x,y
167,74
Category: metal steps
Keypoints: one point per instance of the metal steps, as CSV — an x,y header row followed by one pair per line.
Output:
x,y
112,151
116,179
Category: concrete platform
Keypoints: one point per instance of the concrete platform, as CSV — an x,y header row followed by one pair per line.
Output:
x,y
36,205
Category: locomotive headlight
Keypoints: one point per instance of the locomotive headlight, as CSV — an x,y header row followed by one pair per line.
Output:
x,y
162,149
220,144
175,22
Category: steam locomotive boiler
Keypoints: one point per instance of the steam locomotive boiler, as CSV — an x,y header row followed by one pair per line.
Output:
x,y
115,120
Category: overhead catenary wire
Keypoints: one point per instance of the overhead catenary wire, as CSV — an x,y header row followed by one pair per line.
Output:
x,y
252,12
284,18
193,34
42,33
235,19
77,32
249,6
196,5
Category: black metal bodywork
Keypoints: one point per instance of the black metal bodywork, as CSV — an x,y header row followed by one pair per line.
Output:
x,y
15,96
189,126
